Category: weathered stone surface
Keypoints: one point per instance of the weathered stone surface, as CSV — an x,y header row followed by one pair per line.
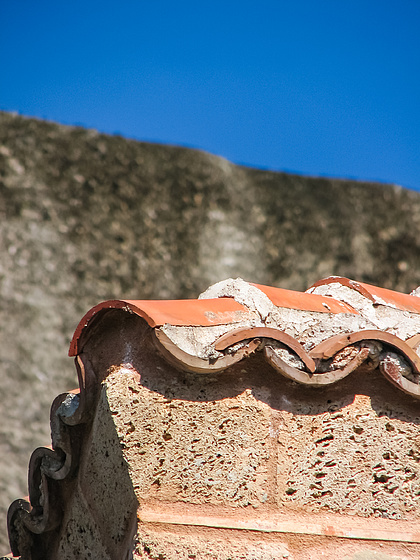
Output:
x,y
201,456
86,217
354,458
196,452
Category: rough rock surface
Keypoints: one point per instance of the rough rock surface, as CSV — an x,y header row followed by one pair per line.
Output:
x,y
86,217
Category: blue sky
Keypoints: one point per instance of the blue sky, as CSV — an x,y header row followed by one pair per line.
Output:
x,y
316,87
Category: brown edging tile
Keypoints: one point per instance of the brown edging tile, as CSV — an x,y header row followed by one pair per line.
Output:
x,y
184,361
239,335
334,344
314,379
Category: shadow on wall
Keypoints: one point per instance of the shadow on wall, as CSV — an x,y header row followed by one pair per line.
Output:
x,y
92,506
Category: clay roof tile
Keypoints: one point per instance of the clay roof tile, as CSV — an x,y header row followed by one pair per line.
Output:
x,y
302,300
188,312
379,296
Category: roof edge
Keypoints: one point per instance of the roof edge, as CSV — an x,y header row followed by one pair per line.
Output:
x,y
187,312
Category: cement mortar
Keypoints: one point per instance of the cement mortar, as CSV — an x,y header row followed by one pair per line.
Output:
x,y
309,328
383,317
243,293
199,341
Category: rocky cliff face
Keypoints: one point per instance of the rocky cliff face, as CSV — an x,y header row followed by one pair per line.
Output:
x,y
86,217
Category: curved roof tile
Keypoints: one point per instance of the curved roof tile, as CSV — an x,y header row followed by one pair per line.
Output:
x,y
305,301
188,312
379,296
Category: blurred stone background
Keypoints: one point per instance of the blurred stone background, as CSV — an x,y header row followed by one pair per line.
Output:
x,y
86,217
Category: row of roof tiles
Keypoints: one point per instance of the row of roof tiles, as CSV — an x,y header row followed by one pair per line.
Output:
x,y
218,311
302,334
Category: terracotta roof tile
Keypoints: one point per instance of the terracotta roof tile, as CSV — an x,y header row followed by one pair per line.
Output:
x,y
302,300
379,296
193,312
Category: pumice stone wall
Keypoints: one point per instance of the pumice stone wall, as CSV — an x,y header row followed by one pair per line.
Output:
x,y
252,423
